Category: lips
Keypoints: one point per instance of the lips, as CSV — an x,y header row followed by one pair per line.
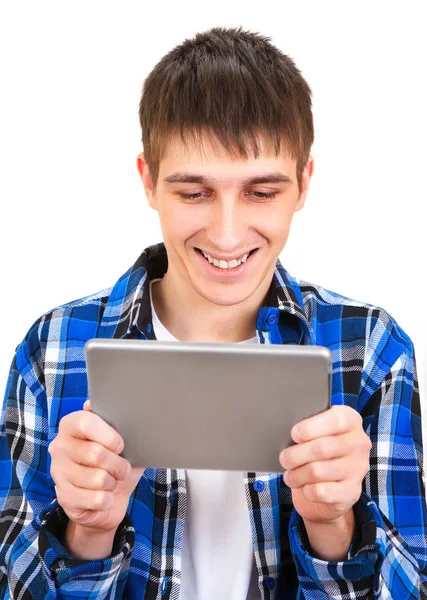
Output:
x,y
247,253
225,268
225,264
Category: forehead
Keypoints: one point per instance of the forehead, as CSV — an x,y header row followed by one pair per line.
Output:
x,y
208,155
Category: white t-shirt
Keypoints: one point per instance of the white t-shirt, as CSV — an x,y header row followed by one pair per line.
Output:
x,y
217,553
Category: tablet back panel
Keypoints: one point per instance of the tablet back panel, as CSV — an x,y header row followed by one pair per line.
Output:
x,y
206,405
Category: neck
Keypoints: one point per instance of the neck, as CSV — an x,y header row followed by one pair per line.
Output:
x,y
191,317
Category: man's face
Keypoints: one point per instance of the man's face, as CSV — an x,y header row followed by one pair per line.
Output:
x,y
214,207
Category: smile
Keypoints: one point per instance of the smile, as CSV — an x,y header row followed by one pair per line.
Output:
x,y
224,264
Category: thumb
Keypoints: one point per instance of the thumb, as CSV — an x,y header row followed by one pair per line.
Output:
x,y
132,480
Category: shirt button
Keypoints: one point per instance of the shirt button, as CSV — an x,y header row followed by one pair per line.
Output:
x,y
259,486
270,583
271,319
164,586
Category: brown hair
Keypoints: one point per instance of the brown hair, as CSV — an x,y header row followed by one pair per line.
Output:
x,y
235,86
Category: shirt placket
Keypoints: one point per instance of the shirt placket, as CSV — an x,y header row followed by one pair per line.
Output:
x,y
262,489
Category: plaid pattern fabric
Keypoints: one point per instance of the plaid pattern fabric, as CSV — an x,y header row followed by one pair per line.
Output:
x,y
374,371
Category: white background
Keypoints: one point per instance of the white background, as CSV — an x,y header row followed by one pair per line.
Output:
x,y
73,212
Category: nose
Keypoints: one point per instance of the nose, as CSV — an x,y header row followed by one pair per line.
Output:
x,y
227,225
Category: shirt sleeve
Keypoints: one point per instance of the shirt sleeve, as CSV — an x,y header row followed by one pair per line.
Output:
x,y
388,556
33,562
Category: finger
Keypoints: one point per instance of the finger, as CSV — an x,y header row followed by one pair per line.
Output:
x,y
72,498
336,469
87,405
334,421
86,425
323,448
134,477
333,492
92,454
90,478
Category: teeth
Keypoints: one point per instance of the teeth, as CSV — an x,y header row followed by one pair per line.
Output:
x,y
223,264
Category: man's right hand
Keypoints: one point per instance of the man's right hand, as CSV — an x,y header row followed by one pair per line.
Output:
x,y
93,483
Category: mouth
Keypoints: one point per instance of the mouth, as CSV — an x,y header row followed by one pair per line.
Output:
x,y
227,266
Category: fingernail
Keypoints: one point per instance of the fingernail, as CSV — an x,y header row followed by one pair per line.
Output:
x,y
283,461
295,433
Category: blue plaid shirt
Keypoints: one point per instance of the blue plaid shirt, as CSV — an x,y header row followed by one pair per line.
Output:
x,y
374,371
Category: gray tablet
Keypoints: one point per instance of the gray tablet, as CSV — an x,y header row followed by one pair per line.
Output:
x,y
206,405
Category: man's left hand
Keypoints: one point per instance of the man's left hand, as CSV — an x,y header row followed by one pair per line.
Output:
x,y
326,467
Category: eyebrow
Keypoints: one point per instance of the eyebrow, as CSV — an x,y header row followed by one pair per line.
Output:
x,y
183,177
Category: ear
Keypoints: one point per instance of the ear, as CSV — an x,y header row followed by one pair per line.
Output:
x,y
305,182
147,182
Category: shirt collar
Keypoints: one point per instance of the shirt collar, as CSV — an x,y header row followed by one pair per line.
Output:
x,y
128,310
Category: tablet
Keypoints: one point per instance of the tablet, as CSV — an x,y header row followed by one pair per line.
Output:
x,y
206,405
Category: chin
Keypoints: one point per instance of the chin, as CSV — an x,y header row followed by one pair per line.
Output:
x,y
225,297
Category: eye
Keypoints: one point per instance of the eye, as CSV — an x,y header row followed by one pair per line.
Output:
x,y
259,195
263,195
191,196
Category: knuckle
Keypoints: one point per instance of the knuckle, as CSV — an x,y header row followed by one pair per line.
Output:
x,y
118,471
322,448
319,491
56,445
341,421
100,500
124,468
363,443
102,480
57,450
82,424
317,471
97,500
96,454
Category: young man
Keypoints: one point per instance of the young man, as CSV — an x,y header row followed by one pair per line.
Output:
x,y
227,131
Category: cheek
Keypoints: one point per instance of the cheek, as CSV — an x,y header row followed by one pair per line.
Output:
x,y
275,225
178,223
